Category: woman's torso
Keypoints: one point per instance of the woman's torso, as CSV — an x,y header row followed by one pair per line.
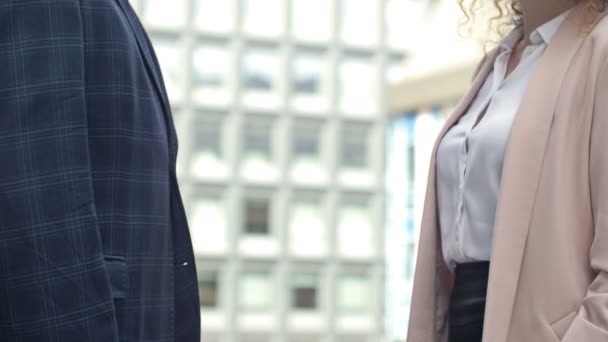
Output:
x,y
470,156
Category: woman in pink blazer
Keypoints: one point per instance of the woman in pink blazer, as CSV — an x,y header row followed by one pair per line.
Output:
x,y
514,237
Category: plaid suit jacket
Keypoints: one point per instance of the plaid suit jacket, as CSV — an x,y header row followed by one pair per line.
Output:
x,y
94,244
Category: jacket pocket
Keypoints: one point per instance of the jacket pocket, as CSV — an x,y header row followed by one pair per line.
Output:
x,y
118,275
561,325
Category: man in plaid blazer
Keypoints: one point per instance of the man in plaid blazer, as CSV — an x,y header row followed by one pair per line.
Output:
x,y
94,244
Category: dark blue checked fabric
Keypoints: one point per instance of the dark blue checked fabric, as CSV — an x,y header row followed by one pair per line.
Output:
x,y
94,244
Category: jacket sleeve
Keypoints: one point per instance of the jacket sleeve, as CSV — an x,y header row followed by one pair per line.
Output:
x,y
53,279
591,322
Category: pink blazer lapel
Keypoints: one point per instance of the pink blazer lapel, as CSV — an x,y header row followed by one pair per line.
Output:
x,y
466,101
429,300
521,175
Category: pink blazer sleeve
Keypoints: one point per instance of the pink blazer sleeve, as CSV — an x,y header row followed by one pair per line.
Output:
x,y
591,322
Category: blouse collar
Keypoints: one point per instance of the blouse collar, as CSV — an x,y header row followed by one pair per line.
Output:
x,y
542,35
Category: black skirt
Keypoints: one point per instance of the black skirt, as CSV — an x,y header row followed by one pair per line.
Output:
x,y
468,302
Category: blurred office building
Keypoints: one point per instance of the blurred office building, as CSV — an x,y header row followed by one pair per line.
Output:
x,y
281,111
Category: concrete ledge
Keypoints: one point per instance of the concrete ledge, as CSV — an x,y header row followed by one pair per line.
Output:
x,y
438,87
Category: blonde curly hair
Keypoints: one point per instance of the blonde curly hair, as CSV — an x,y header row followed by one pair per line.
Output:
x,y
507,13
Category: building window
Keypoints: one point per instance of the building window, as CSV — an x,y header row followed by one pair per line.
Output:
x,y
354,146
359,22
258,139
170,56
355,229
309,82
305,292
257,292
211,74
208,289
306,77
358,86
260,77
354,293
208,136
305,12
208,224
257,215
306,140
263,17
307,229
164,14
213,15
260,68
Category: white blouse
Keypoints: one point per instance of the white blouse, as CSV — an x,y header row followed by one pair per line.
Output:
x,y
470,156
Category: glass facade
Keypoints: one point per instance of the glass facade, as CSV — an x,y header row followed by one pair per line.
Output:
x,y
410,139
281,117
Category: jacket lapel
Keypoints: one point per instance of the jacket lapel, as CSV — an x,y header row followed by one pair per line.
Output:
x,y
466,101
521,174
430,292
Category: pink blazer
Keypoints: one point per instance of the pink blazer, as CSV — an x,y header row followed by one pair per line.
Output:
x,y
549,268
